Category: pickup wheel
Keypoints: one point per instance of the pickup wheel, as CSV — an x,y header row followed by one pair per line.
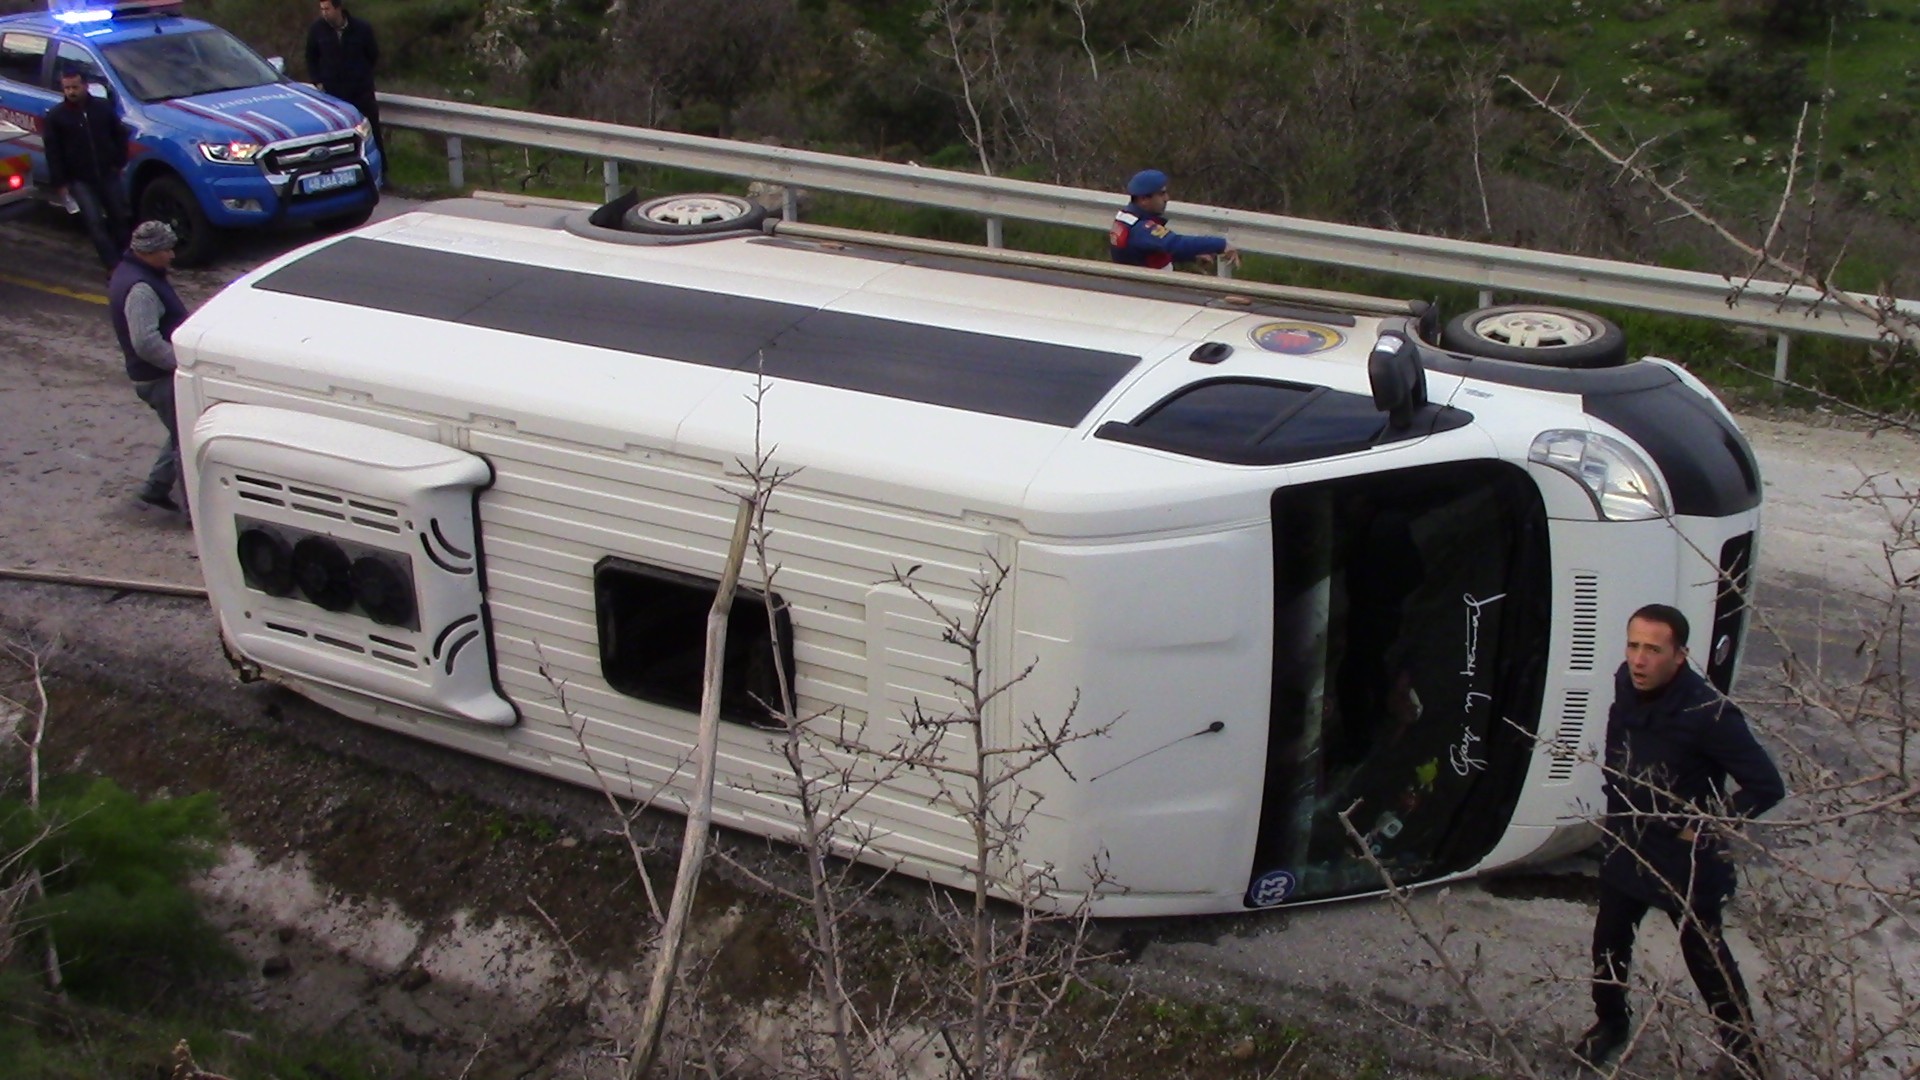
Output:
x,y
1533,334
167,198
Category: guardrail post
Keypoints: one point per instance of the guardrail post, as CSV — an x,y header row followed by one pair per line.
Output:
x,y
1781,342
789,203
996,233
610,180
1486,298
1222,268
456,164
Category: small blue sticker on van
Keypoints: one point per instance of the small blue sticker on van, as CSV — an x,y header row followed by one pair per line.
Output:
x,y
1270,888
1296,338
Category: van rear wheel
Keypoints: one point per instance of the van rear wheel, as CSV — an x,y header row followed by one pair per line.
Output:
x,y
1534,334
168,199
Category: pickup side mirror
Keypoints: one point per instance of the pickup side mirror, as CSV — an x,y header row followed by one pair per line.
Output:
x,y
98,90
278,63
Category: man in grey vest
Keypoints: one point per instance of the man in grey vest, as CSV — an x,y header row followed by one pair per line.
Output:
x,y
146,311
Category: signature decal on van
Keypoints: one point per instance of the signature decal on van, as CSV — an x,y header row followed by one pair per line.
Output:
x,y
1296,338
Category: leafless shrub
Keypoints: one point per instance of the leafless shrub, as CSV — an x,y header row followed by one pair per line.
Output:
x,y
23,720
686,64
1015,971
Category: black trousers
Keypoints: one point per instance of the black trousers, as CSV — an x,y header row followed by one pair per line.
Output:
x,y
1702,945
369,107
103,207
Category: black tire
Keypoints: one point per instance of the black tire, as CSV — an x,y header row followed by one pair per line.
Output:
x,y
693,215
167,198
343,222
1533,334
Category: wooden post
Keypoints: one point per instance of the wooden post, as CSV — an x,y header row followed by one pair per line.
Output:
x,y
693,847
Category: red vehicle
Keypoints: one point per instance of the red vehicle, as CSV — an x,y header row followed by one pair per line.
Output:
x,y
16,167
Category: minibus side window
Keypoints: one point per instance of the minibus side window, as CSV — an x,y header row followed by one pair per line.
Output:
x,y
653,639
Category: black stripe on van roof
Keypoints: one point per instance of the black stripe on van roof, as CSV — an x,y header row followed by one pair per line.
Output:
x,y
982,373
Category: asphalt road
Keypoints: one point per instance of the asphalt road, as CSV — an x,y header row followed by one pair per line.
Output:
x,y
74,443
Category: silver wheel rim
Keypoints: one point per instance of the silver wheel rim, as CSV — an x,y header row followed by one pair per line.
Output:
x,y
694,210
1533,330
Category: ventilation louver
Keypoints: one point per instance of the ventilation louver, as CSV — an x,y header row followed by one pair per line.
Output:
x,y
1584,641
1569,737
348,555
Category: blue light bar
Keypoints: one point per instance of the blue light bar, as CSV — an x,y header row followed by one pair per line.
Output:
x,y
91,11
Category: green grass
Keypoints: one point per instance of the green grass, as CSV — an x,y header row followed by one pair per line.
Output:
x,y
41,1040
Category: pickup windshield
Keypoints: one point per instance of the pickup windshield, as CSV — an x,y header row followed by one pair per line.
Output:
x,y
167,66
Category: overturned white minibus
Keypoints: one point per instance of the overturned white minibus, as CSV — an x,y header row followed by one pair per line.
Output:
x,y
1298,551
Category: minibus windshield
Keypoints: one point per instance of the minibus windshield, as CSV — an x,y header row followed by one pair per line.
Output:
x,y
1411,613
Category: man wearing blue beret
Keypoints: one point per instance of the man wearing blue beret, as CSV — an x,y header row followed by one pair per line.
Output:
x,y
1140,236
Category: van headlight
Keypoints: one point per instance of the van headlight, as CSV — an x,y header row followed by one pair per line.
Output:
x,y
1624,484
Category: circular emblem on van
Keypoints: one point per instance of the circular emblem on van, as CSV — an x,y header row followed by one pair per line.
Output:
x,y
1296,338
1271,888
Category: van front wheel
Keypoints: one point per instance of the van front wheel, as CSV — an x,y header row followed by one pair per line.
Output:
x,y
168,199
1534,334
694,215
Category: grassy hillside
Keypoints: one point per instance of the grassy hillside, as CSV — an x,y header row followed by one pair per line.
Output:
x,y
1401,114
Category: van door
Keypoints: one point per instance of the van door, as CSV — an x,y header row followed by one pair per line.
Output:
x,y
1411,618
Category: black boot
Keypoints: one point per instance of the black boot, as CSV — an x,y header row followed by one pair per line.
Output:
x,y
1603,1040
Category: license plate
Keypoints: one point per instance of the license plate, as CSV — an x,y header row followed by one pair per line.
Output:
x,y
330,181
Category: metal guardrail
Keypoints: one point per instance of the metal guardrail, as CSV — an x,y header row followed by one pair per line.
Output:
x,y
1767,305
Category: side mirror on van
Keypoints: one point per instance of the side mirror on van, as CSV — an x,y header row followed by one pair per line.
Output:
x,y
1399,381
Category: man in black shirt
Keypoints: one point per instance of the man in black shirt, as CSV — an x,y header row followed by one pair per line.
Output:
x,y
1673,745
341,54
86,147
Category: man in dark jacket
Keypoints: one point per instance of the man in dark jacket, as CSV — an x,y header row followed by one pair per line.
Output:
x,y
1673,742
1140,236
341,54
86,147
146,311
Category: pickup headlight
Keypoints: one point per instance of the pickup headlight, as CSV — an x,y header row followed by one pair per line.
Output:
x,y
364,129
1623,483
230,153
